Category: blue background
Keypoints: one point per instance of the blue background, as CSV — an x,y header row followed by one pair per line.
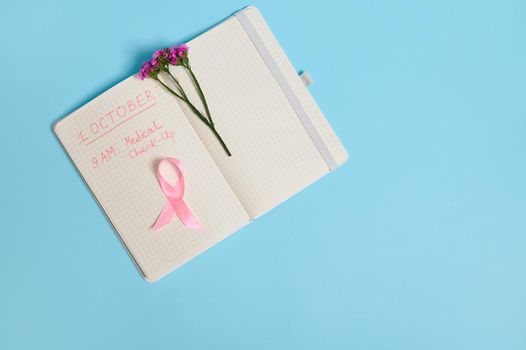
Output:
x,y
418,242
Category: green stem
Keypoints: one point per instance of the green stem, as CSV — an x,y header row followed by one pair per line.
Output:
x,y
184,99
168,88
197,113
200,92
177,83
221,141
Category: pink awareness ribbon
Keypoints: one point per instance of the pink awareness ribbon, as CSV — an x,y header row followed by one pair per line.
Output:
x,y
175,204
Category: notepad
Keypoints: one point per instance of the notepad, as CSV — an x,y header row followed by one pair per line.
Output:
x,y
279,139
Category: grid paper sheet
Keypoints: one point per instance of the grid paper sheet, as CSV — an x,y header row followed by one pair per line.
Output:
x,y
116,141
273,155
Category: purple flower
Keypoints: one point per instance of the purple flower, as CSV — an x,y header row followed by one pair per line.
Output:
x,y
160,58
172,56
159,54
182,50
177,54
145,71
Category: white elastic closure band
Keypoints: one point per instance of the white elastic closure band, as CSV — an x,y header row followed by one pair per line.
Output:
x,y
293,99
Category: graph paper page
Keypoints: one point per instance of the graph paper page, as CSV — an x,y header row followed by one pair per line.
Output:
x,y
273,157
116,141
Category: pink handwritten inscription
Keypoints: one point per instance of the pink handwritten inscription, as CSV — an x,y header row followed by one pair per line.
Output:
x,y
117,116
104,156
145,140
136,144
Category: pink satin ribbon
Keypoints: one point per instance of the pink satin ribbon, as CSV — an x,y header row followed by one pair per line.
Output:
x,y
175,204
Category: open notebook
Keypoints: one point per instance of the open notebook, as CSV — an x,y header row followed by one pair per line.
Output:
x,y
279,139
